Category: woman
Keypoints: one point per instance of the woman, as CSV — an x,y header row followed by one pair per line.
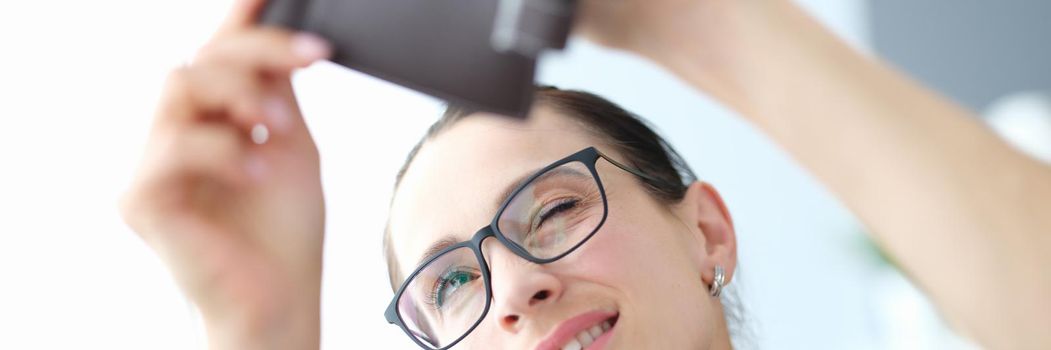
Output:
x,y
241,223
621,243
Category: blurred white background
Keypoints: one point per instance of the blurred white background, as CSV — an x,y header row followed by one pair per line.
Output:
x,y
78,81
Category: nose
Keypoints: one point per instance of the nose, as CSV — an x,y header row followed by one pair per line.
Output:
x,y
521,288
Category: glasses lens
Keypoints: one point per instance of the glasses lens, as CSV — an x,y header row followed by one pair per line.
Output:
x,y
442,302
555,212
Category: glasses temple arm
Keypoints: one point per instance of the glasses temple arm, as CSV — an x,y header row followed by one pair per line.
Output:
x,y
636,172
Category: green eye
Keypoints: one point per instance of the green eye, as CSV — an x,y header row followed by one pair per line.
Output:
x,y
449,283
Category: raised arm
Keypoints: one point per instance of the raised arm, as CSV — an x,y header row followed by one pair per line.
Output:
x,y
967,217
240,222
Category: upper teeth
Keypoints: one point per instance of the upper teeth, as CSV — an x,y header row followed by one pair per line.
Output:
x,y
587,336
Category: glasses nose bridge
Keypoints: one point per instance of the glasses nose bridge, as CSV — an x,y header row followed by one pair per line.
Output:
x,y
481,235
478,240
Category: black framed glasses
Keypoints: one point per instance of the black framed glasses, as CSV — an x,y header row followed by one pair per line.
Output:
x,y
548,216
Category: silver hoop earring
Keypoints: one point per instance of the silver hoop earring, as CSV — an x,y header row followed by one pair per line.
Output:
x,y
717,282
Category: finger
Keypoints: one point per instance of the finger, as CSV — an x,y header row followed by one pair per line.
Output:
x,y
207,150
214,93
271,50
183,164
243,15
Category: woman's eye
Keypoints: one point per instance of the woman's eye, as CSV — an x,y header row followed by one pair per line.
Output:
x,y
448,285
552,211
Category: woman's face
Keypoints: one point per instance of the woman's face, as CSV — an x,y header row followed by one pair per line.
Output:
x,y
645,271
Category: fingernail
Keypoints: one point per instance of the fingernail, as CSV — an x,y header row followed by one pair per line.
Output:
x,y
278,113
255,167
310,47
260,134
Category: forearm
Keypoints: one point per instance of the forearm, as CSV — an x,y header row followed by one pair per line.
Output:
x,y
964,214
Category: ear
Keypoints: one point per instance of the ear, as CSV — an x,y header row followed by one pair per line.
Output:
x,y
704,211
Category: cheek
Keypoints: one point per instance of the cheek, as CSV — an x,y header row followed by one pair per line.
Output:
x,y
633,258
637,243
485,336
654,279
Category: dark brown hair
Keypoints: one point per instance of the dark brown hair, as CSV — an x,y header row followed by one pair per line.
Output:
x,y
628,136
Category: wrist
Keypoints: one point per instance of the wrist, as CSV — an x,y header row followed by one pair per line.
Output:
x,y
291,326
274,314
735,51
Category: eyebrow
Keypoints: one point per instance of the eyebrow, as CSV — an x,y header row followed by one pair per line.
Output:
x,y
449,240
506,193
436,247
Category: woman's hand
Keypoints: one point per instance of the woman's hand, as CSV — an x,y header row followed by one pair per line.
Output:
x,y
709,43
638,25
229,192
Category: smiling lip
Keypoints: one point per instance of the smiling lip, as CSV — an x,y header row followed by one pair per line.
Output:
x,y
571,327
